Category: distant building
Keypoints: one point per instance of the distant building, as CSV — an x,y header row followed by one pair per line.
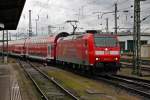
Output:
x,y
126,40
145,51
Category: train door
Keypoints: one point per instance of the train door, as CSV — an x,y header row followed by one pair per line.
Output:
x,y
86,56
49,51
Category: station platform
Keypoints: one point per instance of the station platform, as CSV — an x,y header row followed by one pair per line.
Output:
x,y
9,88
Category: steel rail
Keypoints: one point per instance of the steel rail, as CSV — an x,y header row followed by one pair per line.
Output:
x,y
143,85
43,96
134,78
55,82
120,84
127,84
69,94
143,61
132,81
129,65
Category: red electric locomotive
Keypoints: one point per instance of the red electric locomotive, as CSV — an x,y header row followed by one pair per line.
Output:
x,y
90,50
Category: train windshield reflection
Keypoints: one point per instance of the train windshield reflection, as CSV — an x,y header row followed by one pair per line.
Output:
x,y
105,41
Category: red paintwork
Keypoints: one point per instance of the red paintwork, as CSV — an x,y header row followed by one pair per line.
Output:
x,y
38,47
107,57
81,50
16,47
78,49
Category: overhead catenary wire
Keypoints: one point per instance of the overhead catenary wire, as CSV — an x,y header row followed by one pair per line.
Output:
x,y
47,2
122,5
122,2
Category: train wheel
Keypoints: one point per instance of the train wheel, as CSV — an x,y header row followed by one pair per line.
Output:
x,y
78,67
92,70
114,68
84,69
81,68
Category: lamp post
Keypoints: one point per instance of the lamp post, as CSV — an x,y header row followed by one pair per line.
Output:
x,y
36,21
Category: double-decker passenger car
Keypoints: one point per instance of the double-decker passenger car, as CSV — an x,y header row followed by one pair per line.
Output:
x,y
41,48
16,47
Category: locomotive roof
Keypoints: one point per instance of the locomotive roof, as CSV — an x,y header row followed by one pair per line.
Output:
x,y
75,36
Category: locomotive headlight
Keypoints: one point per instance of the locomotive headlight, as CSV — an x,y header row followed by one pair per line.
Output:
x,y
97,59
116,58
106,49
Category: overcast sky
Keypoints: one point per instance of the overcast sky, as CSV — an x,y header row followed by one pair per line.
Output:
x,y
56,12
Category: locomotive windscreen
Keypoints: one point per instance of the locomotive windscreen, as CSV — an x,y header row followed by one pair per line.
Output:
x,y
105,41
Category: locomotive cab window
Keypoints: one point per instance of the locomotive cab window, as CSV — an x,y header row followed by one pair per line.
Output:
x,y
105,41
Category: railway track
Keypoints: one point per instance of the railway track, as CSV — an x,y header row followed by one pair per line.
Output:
x,y
47,87
136,85
144,62
129,65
